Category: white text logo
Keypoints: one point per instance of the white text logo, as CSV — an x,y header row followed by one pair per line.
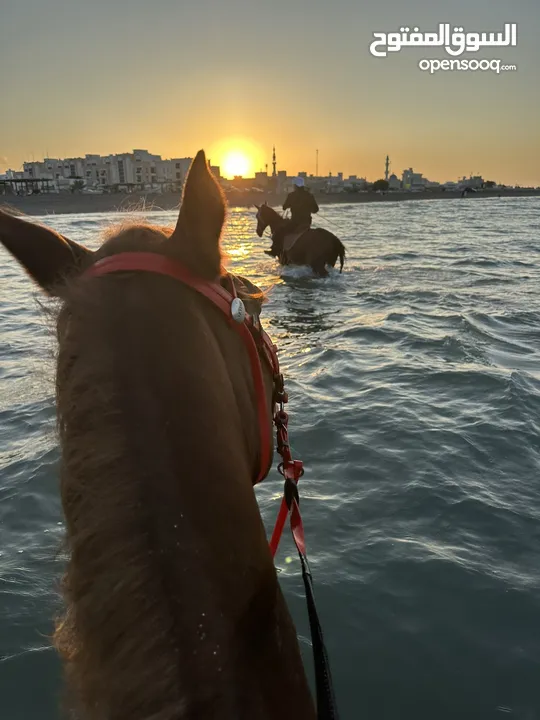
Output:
x,y
455,43
472,65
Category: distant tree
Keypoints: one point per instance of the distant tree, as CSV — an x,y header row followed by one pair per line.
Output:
x,y
380,185
77,186
489,183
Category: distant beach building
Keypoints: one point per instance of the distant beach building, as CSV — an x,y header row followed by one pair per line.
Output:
x,y
394,182
99,171
146,168
261,179
354,184
54,168
334,183
282,184
138,169
413,181
14,175
124,168
474,181
175,170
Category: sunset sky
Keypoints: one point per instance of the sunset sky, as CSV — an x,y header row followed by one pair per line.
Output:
x,y
173,76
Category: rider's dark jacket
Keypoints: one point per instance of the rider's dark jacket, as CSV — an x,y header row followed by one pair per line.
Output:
x,y
301,203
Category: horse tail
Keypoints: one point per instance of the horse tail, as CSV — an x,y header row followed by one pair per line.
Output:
x,y
341,255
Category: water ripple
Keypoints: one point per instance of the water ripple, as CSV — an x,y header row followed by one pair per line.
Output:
x,y
414,380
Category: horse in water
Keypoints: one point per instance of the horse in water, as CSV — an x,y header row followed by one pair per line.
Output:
x,y
315,247
172,604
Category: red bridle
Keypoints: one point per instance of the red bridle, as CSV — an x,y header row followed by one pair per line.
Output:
x,y
254,339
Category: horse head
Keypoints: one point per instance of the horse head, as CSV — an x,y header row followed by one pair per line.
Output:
x,y
172,604
265,216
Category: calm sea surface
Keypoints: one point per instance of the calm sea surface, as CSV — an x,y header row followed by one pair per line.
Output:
x,y
414,380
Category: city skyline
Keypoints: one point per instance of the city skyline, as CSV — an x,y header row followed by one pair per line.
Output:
x,y
224,77
258,161
387,168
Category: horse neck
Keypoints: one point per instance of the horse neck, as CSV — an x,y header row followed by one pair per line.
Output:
x,y
275,221
170,586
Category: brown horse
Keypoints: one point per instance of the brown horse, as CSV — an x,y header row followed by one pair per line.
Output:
x,y
172,604
317,247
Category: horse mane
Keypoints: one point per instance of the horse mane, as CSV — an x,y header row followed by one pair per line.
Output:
x,y
106,504
275,212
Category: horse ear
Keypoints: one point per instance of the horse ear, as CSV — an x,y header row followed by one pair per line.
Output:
x,y
257,206
49,258
196,238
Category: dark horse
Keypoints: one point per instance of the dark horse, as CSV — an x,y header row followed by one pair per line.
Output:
x,y
316,247
172,604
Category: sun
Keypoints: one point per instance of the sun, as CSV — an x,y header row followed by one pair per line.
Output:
x,y
237,156
236,162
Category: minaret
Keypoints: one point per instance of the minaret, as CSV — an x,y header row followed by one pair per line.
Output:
x,y
274,173
386,168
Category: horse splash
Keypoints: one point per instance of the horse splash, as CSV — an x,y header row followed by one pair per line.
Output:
x,y
315,247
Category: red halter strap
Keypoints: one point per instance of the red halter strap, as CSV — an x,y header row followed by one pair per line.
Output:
x,y
222,299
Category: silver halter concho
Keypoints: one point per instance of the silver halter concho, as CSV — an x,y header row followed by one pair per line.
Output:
x,y
238,310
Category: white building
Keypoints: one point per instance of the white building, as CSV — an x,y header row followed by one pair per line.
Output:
x,y
474,181
394,182
174,170
124,168
54,168
14,175
334,183
354,183
139,168
413,181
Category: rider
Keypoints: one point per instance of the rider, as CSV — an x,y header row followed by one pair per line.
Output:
x,y
301,204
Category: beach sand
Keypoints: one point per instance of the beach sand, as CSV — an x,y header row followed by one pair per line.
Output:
x,y
63,203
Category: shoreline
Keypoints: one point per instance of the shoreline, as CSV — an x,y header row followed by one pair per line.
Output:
x,y
150,202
